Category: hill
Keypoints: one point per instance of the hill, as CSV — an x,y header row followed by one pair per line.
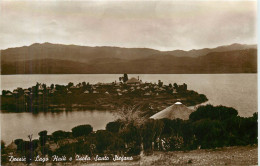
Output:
x,y
50,58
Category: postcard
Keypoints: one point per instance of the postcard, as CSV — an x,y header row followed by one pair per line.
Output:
x,y
128,82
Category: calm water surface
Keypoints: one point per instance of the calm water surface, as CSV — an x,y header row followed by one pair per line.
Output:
x,y
233,90
19,125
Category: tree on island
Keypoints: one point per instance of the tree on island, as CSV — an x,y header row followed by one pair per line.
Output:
x,y
84,84
124,78
70,84
175,86
160,83
185,87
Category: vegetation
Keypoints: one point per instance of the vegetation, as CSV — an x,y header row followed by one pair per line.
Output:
x,y
208,127
43,137
151,97
58,135
82,130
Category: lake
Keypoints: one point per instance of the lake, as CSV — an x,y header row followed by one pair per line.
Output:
x,y
234,90
20,125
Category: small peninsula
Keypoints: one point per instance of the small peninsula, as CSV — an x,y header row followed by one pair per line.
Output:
x,y
150,97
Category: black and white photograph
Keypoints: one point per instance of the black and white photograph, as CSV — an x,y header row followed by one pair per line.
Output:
x,y
128,82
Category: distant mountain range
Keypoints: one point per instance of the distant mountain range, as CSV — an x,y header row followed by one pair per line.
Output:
x,y
50,58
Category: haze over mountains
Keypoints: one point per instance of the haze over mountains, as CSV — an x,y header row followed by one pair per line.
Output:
x,y
50,58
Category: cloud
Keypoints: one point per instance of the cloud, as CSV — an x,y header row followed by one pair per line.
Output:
x,y
164,25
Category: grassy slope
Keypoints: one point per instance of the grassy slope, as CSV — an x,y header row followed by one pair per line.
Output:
x,y
238,155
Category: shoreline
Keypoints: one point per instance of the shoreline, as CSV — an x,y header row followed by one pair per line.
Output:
x,y
151,97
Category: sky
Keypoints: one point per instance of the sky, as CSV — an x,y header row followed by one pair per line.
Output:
x,y
162,25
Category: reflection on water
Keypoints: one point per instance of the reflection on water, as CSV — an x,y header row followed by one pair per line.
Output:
x,y
19,125
234,90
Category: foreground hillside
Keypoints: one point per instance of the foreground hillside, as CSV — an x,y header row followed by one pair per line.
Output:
x,y
225,138
239,155
50,58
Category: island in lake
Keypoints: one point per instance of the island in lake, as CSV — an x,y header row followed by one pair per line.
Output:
x,y
151,97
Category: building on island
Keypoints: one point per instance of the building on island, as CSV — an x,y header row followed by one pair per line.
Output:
x,y
9,94
133,81
26,91
86,92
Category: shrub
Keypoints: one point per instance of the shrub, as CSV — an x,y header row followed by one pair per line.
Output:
x,y
18,141
210,134
57,135
82,130
42,133
172,143
2,146
213,113
104,140
113,126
